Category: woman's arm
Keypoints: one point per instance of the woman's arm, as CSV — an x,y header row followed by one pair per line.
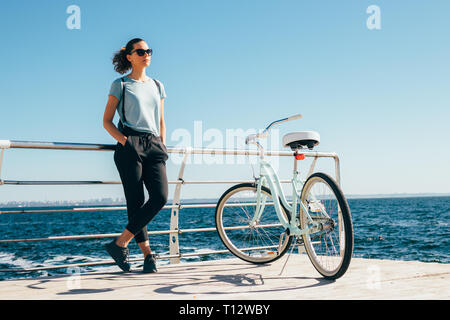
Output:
x,y
162,124
108,117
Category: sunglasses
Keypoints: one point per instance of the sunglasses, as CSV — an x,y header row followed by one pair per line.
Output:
x,y
141,52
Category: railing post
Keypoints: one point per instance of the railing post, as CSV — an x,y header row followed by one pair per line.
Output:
x,y
1,161
174,247
4,144
337,169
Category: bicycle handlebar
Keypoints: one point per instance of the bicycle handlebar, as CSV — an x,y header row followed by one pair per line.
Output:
x,y
297,116
266,130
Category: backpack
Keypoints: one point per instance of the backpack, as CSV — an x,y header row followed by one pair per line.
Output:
x,y
120,125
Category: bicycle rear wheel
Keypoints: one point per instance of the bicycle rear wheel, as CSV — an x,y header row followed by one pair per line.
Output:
x,y
261,241
330,249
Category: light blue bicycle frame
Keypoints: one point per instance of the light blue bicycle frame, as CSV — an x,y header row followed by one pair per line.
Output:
x,y
270,179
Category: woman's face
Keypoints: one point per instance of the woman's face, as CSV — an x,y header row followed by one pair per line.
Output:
x,y
135,59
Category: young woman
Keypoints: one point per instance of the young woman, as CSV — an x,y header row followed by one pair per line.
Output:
x,y
140,154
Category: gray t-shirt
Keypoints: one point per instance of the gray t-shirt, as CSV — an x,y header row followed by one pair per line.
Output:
x,y
142,104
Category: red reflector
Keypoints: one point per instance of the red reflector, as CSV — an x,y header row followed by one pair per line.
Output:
x,y
300,156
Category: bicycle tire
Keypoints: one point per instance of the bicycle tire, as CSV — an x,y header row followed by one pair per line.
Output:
x,y
335,232
235,239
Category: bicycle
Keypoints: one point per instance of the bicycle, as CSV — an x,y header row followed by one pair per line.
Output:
x,y
317,217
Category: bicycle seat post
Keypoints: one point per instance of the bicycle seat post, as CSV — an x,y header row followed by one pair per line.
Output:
x,y
295,164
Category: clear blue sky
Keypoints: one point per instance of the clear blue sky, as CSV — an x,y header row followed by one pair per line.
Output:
x,y
379,98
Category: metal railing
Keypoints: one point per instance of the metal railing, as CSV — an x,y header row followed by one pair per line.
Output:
x,y
174,255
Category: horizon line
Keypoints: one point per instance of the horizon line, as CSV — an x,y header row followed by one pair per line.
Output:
x,y
122,200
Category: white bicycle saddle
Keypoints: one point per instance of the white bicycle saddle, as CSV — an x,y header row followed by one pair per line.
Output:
x,y
300,139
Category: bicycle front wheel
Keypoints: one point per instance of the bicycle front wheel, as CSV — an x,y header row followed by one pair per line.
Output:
x,y
330,249
256,238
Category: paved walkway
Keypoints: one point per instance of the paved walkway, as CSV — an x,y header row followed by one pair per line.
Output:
x,y
233,279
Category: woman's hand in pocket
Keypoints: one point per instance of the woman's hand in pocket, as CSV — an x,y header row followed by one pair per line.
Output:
x,y
123,141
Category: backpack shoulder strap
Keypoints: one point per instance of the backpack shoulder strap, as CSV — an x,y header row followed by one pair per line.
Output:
x,y
120,124
159,87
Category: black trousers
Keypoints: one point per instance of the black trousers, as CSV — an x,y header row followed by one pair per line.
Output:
x,y
142,161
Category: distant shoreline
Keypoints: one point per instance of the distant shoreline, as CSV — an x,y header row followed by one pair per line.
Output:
x,y
121,202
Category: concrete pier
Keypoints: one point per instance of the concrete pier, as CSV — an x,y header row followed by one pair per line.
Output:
x,y
233,279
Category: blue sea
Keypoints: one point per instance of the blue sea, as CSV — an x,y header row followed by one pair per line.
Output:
x,y
413,228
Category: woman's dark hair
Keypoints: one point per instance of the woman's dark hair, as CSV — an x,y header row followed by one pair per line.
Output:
x,y
120,61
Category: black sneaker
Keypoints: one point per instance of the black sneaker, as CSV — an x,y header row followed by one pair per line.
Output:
x,y
150,264
119,254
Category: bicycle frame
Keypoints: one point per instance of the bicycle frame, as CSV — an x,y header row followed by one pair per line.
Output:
x,y
270,179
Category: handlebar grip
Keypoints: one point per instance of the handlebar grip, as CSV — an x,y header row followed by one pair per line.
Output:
x,y
297,116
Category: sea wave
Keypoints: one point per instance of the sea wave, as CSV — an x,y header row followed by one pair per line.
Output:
x,y
397,228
